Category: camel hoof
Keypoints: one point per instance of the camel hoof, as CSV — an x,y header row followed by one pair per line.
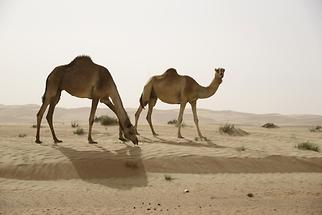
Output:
x,y
155,134
92,142
203,138
123,139
180,137
38,141
58,141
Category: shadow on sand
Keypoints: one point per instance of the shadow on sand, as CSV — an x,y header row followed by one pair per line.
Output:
x,y
182,142
121,169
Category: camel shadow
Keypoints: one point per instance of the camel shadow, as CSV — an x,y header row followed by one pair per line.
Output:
x,y
122,169
182,142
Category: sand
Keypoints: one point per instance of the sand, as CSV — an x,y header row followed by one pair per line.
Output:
x,y
262,172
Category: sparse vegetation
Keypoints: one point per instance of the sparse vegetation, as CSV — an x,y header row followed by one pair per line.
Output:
x,y
316,129
168,177
308,146
231,130
106,120
175,122
74,124
270,125
79,131
241,149
22,135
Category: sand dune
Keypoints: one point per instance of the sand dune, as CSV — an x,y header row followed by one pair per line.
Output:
x,y
112,177
27,113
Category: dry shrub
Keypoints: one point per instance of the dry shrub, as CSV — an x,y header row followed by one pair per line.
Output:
x,y
308,146
316,129
270,125
106,120
74,124
22,135
79,131
231,130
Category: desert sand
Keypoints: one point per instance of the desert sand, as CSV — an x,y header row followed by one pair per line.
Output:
x,y
261,173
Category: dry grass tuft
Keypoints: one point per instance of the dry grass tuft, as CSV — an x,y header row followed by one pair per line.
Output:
x,y
74,124
106,120
308,146
168,177
22,135
270,125
79,131
232,131
316,129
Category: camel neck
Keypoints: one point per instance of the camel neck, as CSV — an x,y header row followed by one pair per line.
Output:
x,y
120,111
206,92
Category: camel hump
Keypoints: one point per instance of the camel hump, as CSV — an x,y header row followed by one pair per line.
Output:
x,y
171,72
81,59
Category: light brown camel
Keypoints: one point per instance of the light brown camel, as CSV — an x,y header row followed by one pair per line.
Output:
x,y
172,88
84,79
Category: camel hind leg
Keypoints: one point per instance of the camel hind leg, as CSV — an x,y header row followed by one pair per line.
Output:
x,y
51,95
49,116
152,103
39,118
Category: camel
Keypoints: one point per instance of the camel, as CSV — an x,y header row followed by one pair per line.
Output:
x,y
172,88
84,79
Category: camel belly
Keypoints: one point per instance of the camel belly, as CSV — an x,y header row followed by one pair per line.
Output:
x,y
170,99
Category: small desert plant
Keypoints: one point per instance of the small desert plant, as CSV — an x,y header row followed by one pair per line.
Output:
x,y
79,131
316,129
308,146
270,125
22,135
232,131
106,120
173,122
241,149
168,177
74,124
34,126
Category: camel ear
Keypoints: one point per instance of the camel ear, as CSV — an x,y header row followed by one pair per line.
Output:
x,y
223,70
216,70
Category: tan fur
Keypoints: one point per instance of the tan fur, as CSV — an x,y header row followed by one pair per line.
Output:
x,y
84,79
172,88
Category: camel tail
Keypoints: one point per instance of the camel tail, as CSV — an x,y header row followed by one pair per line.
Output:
x,y
146,94
43,97
141,102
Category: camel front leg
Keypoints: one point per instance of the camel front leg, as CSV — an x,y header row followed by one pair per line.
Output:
x,y
195,118
180,118
109,104
91,121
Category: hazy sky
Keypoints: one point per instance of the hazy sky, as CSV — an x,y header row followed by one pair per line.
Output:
x,y
271,50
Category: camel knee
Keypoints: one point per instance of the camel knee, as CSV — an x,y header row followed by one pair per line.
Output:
x,y
148,118
48,117
196,120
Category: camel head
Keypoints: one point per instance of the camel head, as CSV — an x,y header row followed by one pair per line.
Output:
x,y
219,73
129,133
